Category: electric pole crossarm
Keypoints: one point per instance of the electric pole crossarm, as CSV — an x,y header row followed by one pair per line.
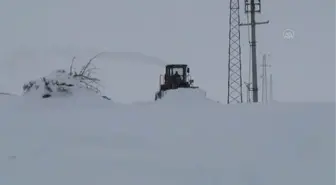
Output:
x,y
256,23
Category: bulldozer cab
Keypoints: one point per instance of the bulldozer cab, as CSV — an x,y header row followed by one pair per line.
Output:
x,y
176,76
177,71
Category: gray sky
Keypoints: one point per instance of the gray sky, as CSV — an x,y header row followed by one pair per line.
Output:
x,y
41,35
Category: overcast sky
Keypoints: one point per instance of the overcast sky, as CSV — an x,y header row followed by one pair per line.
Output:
x,y
40,35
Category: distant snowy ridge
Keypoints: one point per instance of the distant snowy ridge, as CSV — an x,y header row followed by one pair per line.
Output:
x,y
9,94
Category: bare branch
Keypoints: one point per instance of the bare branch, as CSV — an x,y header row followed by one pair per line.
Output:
x,y
85,76
88,64
90,86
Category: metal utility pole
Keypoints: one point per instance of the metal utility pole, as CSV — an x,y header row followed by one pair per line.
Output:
x,y
235,94
271,88
252,7
264,78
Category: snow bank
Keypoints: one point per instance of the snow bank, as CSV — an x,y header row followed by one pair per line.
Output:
x,y
193,144
186,95
183,138
59,84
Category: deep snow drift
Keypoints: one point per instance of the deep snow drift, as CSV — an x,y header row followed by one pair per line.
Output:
x,y
169,142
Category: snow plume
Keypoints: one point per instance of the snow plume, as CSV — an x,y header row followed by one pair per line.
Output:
x,y
24,54
133,57
62,83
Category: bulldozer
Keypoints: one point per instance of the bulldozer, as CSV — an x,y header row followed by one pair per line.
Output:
x,y
176,76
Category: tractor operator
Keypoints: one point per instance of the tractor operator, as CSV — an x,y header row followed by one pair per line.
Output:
x,y
177,78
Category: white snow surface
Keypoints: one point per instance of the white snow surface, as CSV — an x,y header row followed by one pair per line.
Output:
x,y
173,141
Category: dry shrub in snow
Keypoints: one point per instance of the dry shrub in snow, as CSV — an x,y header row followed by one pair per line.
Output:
x,y
62,83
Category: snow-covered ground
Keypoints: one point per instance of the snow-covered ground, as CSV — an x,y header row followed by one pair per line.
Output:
x,y
184,139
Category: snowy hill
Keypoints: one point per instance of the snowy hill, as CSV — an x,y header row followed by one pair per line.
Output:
x,y
173,141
